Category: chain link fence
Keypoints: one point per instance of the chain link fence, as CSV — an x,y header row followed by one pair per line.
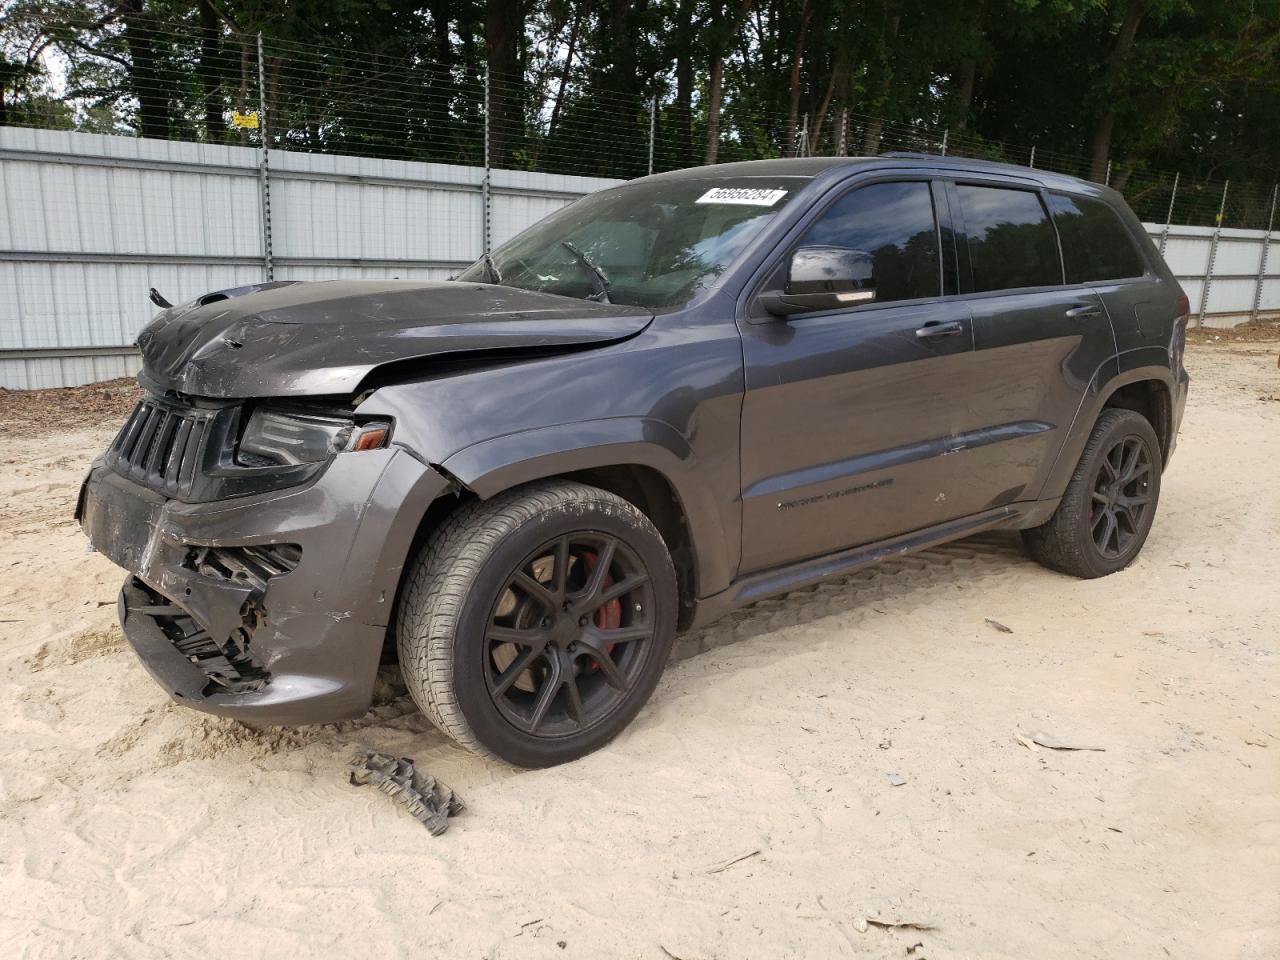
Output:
x,y
249,90
275,95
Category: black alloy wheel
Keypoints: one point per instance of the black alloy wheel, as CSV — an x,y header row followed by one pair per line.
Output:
x,y
535,625
570,632
1121,497
1109,505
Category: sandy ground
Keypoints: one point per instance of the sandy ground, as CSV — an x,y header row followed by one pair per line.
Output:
x,y
134,828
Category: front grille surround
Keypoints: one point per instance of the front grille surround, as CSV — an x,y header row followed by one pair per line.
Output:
x,y
186,450
162,445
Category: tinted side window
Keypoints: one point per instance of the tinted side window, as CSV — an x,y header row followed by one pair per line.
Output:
x,y
1011,241
890,227
1095,244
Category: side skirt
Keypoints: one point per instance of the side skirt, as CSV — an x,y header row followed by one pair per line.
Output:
x,y
767,583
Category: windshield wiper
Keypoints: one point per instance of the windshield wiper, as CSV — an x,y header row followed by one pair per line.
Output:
x,y
491,268
599,281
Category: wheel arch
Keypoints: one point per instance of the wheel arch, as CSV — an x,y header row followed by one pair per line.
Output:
x,y
1151,397
646,462
1147,389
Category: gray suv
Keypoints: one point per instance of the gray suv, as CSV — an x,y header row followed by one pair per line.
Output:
x,y
664,401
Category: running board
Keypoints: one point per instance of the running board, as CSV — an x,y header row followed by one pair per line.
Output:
x,y
768,583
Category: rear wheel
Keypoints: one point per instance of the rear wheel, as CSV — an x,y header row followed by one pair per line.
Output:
x,y
535,626
1110,503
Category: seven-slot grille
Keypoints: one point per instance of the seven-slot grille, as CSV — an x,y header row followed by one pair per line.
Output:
x,y
161,446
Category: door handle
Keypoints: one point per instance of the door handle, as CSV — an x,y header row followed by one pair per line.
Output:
x,y
1083,310
939,328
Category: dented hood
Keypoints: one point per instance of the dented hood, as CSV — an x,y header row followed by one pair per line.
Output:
x,y
325,337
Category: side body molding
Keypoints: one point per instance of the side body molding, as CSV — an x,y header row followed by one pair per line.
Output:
x,y
491,466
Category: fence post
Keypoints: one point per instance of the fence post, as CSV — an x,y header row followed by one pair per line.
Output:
x,y
1106,180
653,120
1032,162
843,148
1213,255
264,176
485,197
946,132
802,138
1262,260
1168,217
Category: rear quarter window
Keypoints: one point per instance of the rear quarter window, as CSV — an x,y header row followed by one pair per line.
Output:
x,y
1095,244
1010,239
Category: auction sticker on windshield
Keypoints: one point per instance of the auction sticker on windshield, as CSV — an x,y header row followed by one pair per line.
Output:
x,y
747,196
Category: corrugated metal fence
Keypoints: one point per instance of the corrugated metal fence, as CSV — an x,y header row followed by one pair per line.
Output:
x,y
90,222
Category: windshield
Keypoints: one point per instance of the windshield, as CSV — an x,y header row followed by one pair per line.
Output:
x,y
652,243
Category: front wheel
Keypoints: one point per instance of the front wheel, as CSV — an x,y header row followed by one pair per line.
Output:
x,y
534,626
1110,503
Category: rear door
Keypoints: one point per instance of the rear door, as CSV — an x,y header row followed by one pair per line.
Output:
x,y
850,415
1038,341
1099,252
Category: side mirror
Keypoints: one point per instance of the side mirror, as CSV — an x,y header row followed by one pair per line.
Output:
x,y
823,278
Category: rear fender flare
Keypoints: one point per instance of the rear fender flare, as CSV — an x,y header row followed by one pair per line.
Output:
x,y
492,466
1143,363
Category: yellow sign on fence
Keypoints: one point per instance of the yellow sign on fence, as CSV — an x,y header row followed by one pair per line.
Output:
x,y
248,121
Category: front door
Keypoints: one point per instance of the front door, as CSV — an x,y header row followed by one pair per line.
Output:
x,y
854,421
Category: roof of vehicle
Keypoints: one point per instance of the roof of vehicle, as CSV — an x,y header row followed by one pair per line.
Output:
x,y
788,167
813,166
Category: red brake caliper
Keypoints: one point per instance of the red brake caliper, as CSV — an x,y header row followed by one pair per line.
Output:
x,y
608,617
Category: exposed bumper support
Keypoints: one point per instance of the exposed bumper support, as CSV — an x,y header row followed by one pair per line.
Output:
x,y
302,643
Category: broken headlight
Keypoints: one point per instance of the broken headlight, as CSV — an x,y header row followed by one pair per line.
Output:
x,y
277,437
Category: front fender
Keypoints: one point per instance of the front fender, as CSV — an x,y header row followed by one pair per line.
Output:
x,y
491,466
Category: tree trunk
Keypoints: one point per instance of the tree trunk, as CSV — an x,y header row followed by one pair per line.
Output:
x,y
874,129
964,80
839,72
503,28
211,72
715,91
441,17
1104,127
622,42
564,75
793,102
153,103
713,109
1121,179
871,137
683,110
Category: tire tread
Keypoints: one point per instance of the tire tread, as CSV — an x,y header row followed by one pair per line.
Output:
x,y
444,572
1059,543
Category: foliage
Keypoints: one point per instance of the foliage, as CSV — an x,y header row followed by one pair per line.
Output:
x,y
1138,85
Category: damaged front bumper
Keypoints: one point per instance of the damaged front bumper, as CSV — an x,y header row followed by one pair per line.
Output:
x,y
273,608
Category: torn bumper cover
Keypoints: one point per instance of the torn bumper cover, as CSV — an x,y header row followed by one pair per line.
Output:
x,y
271,609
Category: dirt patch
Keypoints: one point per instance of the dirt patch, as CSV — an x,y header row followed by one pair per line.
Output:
x,y
817,769
30,413
78,647
1255,331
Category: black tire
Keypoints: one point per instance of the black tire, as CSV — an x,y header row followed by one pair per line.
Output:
x,y
1105,514
518,577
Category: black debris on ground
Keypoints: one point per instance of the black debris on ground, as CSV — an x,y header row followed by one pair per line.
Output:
x,y
428,801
